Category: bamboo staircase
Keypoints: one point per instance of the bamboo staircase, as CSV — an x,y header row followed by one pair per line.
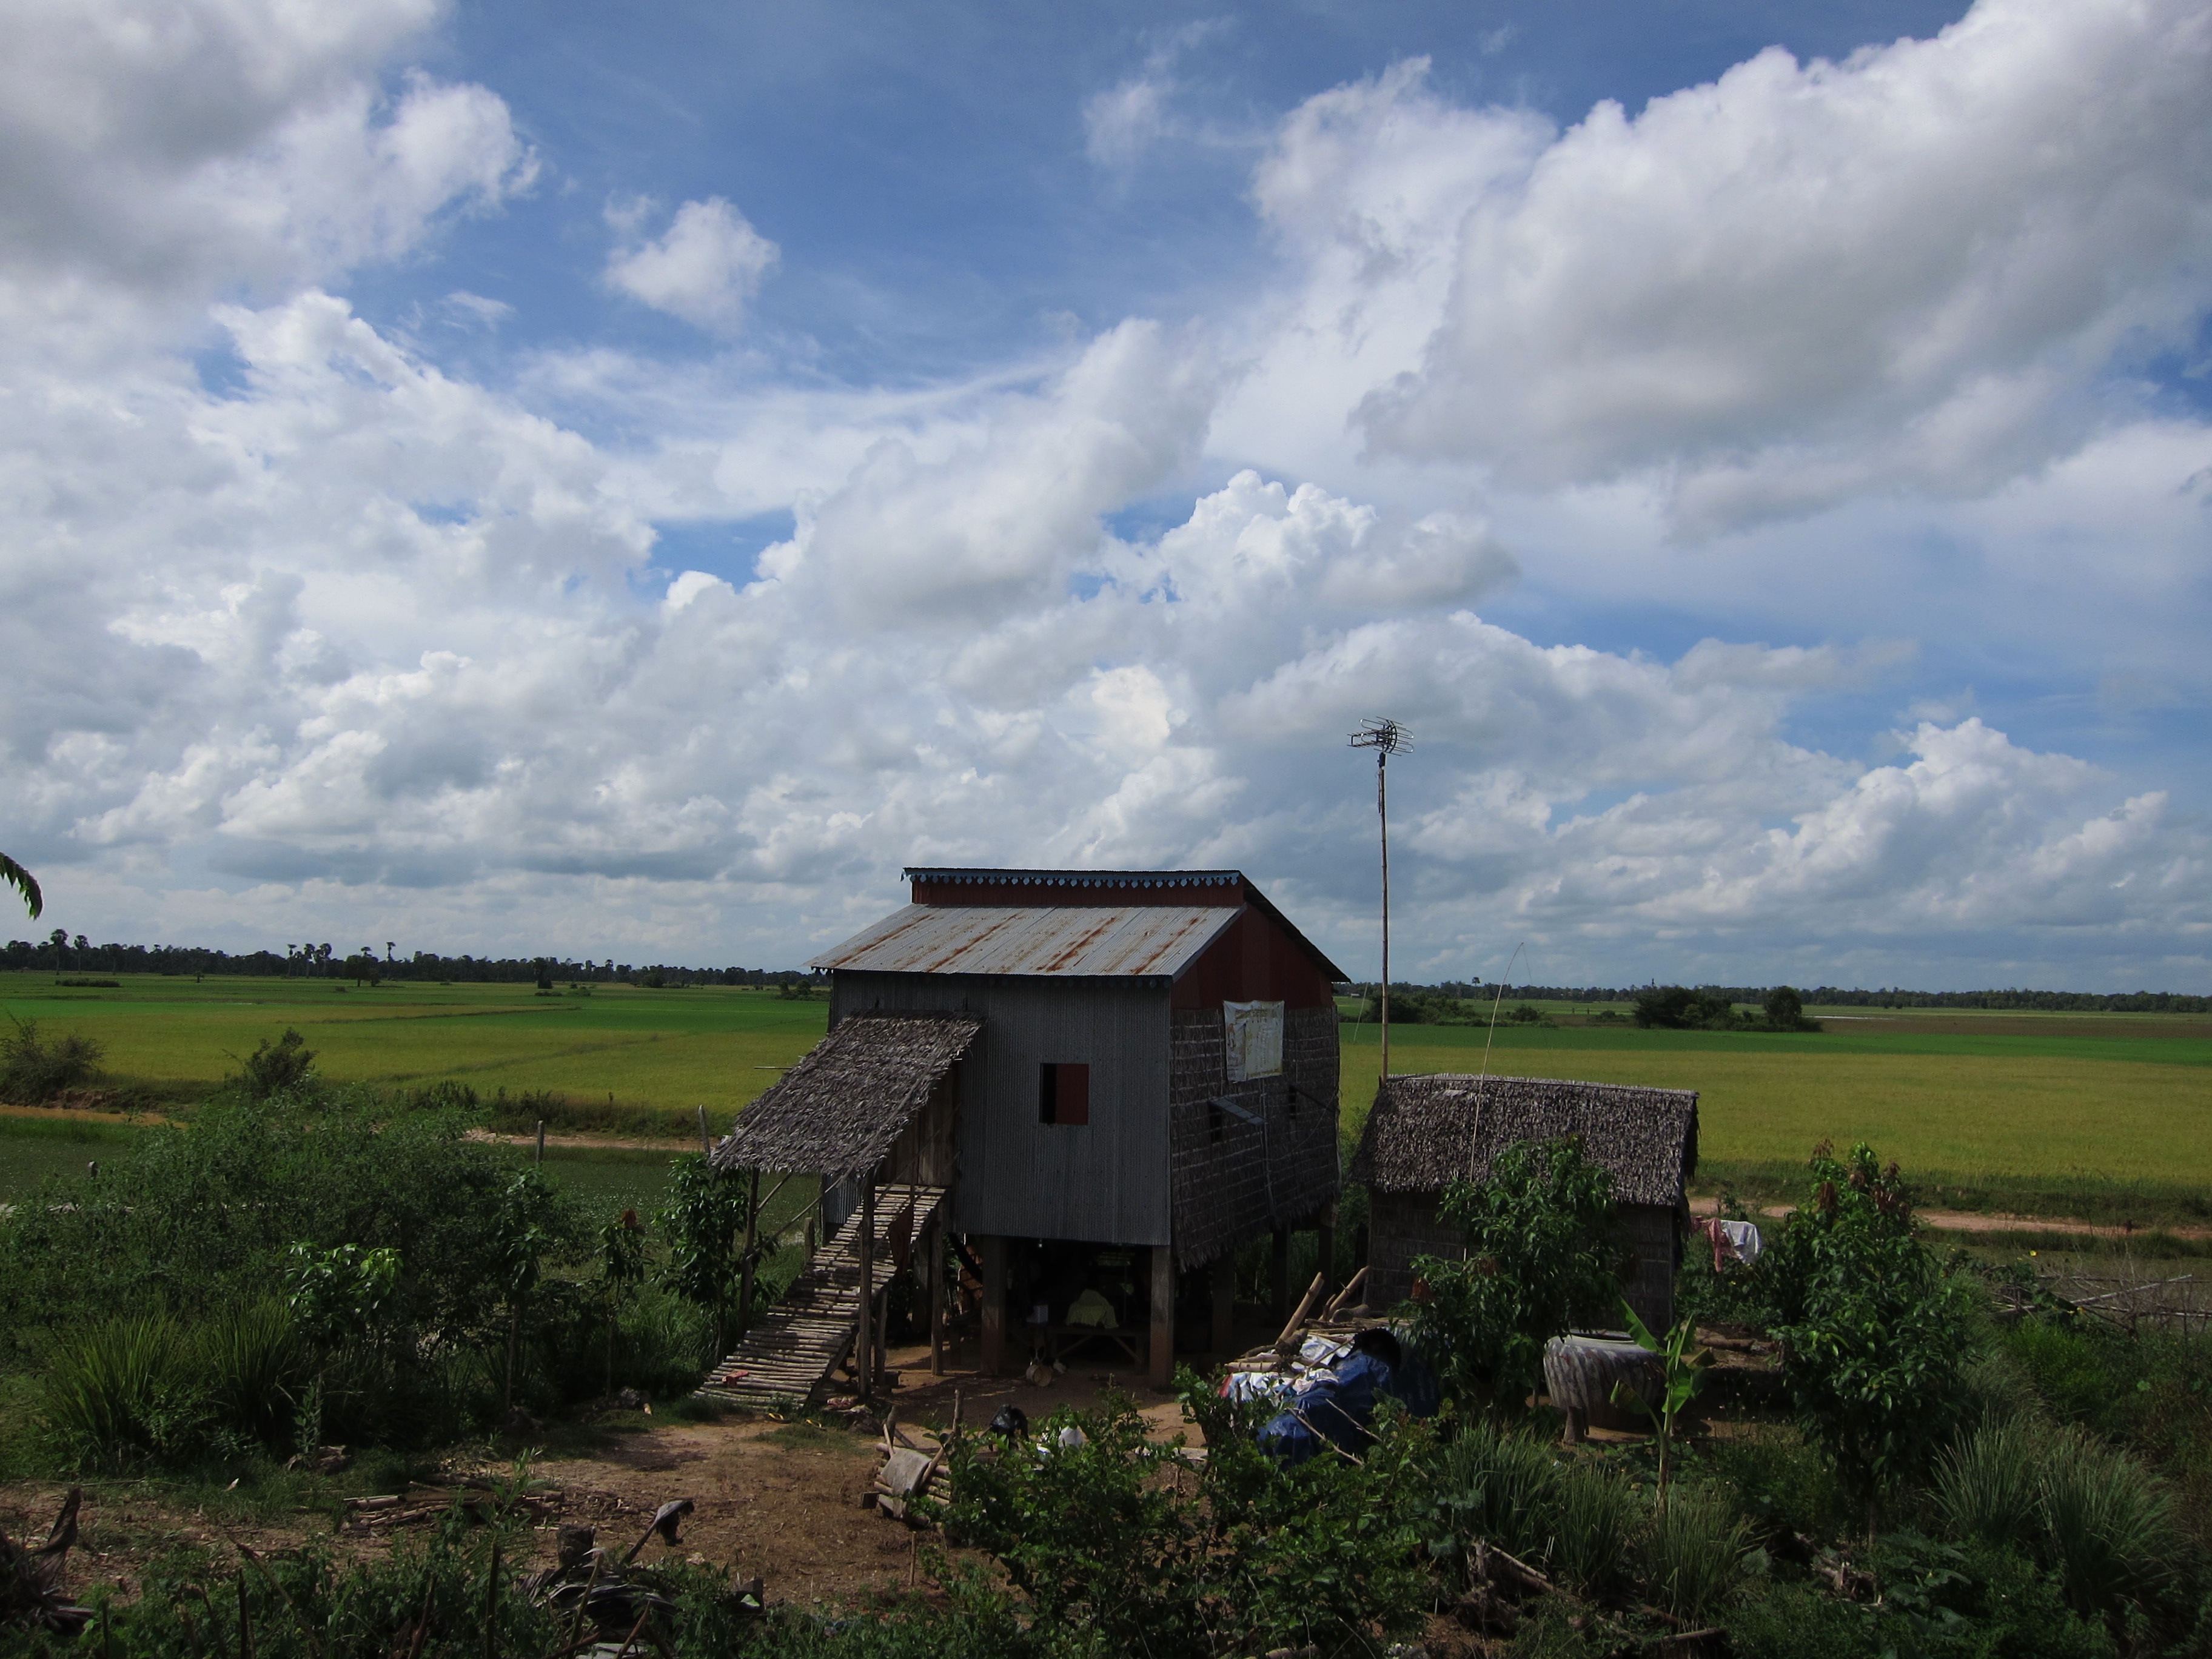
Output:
x,y
785,1361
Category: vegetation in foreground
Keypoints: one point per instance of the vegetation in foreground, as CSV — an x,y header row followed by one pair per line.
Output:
x,y
1961,1465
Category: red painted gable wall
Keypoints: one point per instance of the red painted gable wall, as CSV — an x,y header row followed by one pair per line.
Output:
x,y
1256,961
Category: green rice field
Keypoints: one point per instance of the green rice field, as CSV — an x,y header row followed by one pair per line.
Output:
x,y
2119,1098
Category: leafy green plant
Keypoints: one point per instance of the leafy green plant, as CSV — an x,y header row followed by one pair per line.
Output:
x,y
1875,1335
1497,1485
1682,1374
1987,1486
622,1265
1539,1252
35,1068
123,1391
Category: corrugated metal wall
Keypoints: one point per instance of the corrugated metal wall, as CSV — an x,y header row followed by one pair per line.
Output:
x,y
1107,1182
1234,1181
1402,1226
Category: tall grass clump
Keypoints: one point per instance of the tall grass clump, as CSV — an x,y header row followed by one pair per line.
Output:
x,y
1692,1553
122,1391
2089,1512
1596,1517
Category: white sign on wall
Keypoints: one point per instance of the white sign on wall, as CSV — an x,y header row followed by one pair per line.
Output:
x,y
1255,1033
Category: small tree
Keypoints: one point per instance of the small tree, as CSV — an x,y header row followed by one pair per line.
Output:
x,y
278,1067
1539,1252
703,1215
1873,1331
527,1228
1682,1373
35,1068
622,1265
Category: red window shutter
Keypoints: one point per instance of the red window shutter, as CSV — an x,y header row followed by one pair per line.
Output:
x,y
1074,1091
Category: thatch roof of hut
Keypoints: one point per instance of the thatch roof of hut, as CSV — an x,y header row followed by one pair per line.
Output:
x,y
1427,1131
840,1109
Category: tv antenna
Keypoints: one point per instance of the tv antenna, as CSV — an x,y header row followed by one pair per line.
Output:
x,y
1386,738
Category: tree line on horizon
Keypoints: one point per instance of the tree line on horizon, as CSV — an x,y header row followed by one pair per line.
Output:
x,y
59,953
1821,996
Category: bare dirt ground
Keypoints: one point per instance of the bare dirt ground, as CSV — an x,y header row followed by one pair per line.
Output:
x,y
781,1500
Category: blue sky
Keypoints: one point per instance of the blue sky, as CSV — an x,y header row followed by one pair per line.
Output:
x,y
626,481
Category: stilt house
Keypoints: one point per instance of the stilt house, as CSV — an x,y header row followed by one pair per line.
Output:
x,y
1425,1132
1098,1080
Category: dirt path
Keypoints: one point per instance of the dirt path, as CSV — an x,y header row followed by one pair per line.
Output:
x,y
1965,1221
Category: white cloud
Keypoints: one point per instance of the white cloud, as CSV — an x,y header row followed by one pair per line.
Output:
x,y
359,636
153,160
704,269
1919,268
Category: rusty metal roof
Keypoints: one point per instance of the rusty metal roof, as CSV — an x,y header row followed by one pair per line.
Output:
x,y
1090,941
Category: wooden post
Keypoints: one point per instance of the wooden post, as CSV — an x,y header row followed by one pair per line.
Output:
x,y
1161,1351
705,1145
1278,1275
1225,1305
935,1236
745,1262
864,1347
993,1249
1326,1233
540,1158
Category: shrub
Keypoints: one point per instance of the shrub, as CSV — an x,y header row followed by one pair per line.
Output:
x,y
276,1068
1495,1485
2067,1366
35,1068
1539,1252
1116,1545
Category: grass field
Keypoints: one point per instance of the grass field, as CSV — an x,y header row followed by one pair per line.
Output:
x,y
2061,1099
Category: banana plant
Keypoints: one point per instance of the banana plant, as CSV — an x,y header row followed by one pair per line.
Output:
x,y
1682,1373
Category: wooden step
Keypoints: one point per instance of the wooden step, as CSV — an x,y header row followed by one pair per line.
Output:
x,y
795,1347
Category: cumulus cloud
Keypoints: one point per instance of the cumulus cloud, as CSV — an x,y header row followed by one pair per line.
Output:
x,y
358,636
1921,267
704,269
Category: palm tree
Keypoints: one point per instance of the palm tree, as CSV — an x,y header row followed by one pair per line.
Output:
x,y
24,882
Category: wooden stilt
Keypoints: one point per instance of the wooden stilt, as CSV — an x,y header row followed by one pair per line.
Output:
x,y
993,1249
1162,1347
745,1270
1326,1232
936,1243
1224,1306
864,1349
1278,1277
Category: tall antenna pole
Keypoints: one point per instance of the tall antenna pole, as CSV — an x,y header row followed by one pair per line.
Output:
x,y
1386,738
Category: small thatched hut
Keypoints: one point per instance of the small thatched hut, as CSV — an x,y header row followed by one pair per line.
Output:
x,y
1427,1131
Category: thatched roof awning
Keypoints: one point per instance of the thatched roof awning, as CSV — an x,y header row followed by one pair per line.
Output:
x,y
1427,1131
840,1109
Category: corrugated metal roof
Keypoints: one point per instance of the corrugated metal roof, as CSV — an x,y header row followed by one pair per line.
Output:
x,y
1090,941
1079,877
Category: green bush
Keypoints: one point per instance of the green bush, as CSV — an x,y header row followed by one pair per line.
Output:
x,y
1987,1485
1876,1335
2068,1367
275,1068
1117,1544
35,1068
1540,1252
1596,1515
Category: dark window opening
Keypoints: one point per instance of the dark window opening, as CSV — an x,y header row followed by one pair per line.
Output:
x,y
1216,1125
1064,1094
